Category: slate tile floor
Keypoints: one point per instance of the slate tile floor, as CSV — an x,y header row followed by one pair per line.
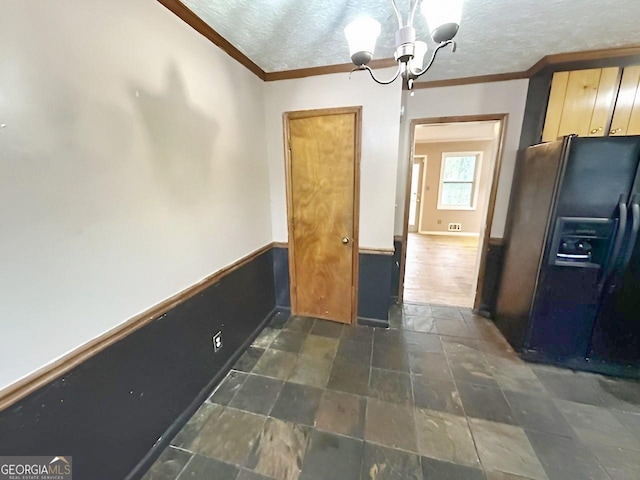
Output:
x,y
439,395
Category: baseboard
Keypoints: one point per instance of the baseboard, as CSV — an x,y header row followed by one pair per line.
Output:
x,y
582,364
373,322
452,234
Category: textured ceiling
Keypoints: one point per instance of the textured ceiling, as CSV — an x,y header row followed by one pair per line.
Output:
x,y
496,36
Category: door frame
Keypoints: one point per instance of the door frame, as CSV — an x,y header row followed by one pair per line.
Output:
x,y
422,159
485,240
355,242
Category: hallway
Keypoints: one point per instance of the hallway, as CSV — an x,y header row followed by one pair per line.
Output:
x,y
440,269
315,400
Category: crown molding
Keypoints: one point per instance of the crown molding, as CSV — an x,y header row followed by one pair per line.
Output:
x,y
584,56
203,28
548,61
325,70
452,82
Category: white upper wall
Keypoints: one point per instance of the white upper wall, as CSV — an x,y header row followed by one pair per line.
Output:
x,y
380,134
483,98
127,173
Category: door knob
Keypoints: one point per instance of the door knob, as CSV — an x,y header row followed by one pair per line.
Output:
x,y
596,130
615,130
346,240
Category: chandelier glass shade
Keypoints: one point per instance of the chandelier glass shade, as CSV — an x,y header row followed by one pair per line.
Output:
x,y
443,19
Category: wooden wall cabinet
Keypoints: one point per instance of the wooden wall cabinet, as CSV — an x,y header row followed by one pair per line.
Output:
x,y
581,102
626,118
593,103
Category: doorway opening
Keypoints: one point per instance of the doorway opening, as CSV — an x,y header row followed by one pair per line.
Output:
x,y
451,191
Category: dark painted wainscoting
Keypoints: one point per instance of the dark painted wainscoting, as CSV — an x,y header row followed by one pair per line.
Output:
x,y
395,269
493,269
281,276
374,285
110,410
116,411
375,278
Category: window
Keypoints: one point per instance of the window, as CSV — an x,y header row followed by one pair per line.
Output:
x,y
458,176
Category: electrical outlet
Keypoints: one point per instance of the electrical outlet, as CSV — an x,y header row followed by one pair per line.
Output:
x,y
217,341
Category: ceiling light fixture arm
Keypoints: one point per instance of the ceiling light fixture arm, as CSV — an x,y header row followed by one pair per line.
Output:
x,y
398,15
412,14
443,19
381,82
433,57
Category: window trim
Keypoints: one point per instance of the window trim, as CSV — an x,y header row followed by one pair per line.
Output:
x,y
474,182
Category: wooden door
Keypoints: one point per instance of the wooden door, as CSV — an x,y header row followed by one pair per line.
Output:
x,y
323,165
626,118
581,102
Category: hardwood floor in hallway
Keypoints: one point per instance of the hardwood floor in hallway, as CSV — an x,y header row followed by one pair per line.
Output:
x,y
440,269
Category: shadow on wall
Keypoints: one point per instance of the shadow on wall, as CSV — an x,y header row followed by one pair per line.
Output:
x,y
182,138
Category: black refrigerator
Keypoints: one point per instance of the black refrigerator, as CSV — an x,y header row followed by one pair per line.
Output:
x,y
570,286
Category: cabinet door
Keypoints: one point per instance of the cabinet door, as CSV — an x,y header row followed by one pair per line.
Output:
x,y
580,103
626,118
605,99
555,106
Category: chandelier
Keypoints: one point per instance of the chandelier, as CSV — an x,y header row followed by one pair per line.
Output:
x,y
443,19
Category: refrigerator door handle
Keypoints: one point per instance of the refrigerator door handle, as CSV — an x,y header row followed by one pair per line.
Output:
x,y
617,246
635,227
